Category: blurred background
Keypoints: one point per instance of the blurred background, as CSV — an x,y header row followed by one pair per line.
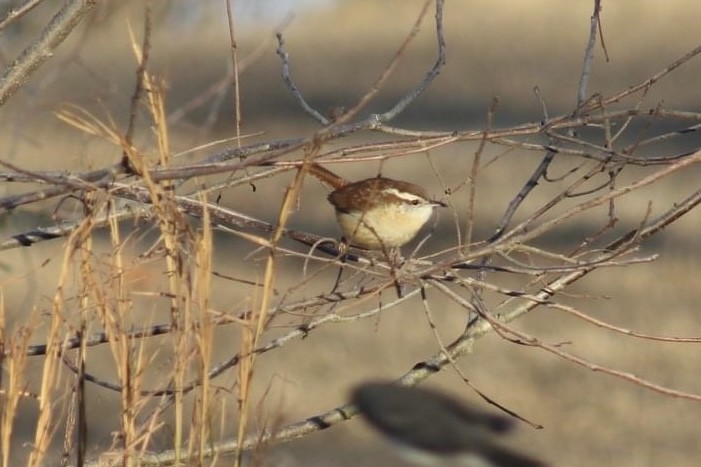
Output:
x,y
337,49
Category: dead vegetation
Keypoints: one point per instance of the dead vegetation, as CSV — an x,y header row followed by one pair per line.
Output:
x,y
135,313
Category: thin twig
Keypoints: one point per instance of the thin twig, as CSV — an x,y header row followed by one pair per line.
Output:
x,y
287,78
42,49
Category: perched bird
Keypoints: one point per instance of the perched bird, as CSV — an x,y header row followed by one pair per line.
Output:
x,y
435,429
377,213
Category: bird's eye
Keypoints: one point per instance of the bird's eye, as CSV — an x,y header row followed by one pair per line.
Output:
x,y
415,202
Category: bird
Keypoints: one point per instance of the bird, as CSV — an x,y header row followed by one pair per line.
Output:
x,y
435,429
377,213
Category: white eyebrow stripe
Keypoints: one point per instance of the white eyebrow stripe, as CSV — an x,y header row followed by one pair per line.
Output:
x,y
402,194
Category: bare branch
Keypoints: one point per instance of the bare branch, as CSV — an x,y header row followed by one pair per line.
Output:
x,y
56,31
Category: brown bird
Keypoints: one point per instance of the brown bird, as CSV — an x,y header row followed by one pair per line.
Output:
x,y
377,213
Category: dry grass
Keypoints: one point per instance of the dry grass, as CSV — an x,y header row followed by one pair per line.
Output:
x,y
215,290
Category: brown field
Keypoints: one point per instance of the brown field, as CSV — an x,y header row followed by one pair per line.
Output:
x,y
499,48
